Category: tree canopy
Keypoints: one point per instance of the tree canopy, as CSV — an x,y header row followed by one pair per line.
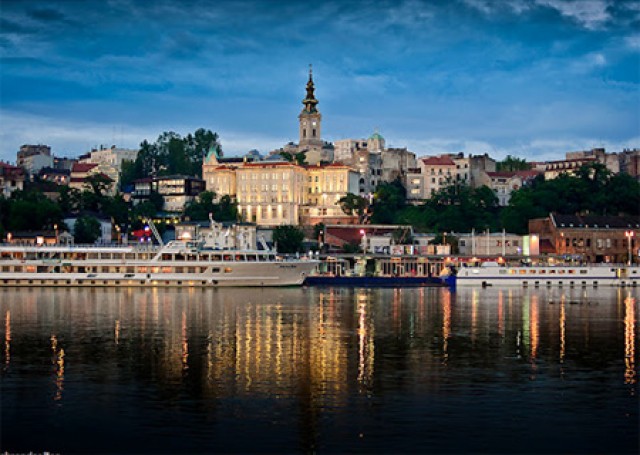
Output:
x,y
288,239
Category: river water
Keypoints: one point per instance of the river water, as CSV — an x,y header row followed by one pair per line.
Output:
x,y
319,370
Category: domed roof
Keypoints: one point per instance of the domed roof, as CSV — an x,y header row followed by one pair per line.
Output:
x,y
375,136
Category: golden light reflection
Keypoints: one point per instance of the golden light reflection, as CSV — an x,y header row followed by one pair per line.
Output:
x,y
563,329
116,331
446,323
57,359
7,338
474,315
366,351
534,321
630,375
501,314
185,342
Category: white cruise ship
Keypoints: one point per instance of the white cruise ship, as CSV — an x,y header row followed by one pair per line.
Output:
x,y
177,263
494,274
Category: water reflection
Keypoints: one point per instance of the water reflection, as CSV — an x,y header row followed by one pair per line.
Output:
x,y
322,349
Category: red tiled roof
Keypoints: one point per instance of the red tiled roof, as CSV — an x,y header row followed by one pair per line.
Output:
x,y
442,160
507,174
82,167
267,164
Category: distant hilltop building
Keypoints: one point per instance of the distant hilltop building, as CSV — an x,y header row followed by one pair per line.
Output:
x,y
109,160
374,161
32,158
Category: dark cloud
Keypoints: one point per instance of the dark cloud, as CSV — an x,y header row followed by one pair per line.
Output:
x,y
46,15
7,26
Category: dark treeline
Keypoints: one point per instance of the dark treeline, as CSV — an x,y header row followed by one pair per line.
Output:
x,y
459,208
31,210
171,154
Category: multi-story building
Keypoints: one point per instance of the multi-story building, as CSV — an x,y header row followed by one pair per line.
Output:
x,y
176,190
436,172
630,162
57,176
589,238
553,169
325,186
504,183
433,174
272,193
109,160
11,179
32,158
112,155
396,163
267,193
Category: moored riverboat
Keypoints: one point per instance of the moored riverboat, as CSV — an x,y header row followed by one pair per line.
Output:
x,y
177,263
498,274
379,271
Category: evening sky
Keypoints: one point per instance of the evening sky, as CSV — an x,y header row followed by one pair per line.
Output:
x,y
533,79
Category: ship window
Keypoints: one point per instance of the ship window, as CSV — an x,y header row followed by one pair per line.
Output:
x,y
142,270
215,270
166,269
228,270
583,271
522,272
503,272
191,270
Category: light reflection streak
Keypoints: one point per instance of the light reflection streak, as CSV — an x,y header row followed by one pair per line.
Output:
x,y
474,315
446,323
58,361
563,329
117,331
501,314
185,342
366,351
629,340
7,338
534,321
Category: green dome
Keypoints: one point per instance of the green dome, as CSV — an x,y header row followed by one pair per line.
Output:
x,y
376,135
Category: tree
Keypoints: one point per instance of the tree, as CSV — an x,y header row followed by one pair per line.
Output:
x,y
31,210
199,210
512,164
388,200
86,230
288,238
352,203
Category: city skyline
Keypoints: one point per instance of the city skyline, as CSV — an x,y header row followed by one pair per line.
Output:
x,y
533,79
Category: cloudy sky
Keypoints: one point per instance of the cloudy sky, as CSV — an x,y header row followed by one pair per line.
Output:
x,y
533,79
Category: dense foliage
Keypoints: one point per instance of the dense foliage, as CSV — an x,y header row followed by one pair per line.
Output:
x,y
199,210
459,208
171,154
288,239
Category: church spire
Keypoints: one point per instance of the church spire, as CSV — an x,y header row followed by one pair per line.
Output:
x,y
310,101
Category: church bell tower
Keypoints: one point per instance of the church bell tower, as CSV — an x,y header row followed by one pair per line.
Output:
x,y
310,121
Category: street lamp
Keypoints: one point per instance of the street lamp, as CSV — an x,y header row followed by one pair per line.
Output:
x,y
55,228
629,235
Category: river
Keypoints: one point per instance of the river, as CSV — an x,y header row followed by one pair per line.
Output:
x,y
301,370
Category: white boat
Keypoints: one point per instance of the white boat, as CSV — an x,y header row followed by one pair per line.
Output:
x,y
177,263
495,274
